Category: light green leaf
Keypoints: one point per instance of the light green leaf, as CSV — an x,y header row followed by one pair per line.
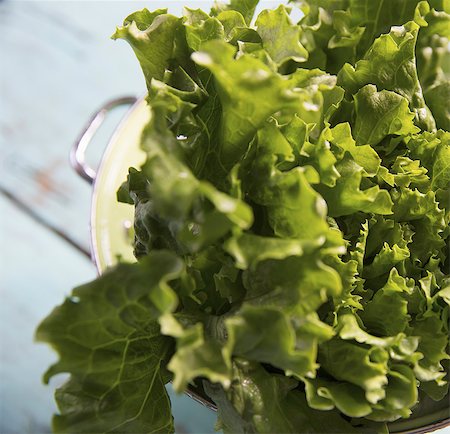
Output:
x,y
341,31
364,155
432,344
387,257
379,114
437,97
444,293
152,36
401,395
280,38
294,209
347,34
249,249
349,328
319,97
391,64
412,204
289,344
298,285
366,368
378,17
407,172
320,156
346,397
195,355
347,197
245,7
387,313
200,28
441,166
236,29
247,84
432,48
424,145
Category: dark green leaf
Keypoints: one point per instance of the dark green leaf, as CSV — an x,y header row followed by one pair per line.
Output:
x,y
109,342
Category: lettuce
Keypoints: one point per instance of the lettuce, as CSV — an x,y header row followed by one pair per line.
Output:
x,y
291,225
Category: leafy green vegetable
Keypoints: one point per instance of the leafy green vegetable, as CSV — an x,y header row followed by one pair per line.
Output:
x,y
390,65
152,37
108,338
291,225
280,38
380,114
260,402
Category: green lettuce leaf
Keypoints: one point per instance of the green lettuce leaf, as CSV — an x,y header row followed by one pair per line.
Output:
x,y
441,166
387,313
347,197
366,368
289,344
401,395
196,355
269,404
152,37
109,342
246,82
245,7
437,97
433,343
432,62
249,249
390,64
319,97
280,38
294,209
200,28
379,114
390,388
298,285
364,155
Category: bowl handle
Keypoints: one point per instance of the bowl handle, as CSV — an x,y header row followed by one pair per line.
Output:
x,y
77,153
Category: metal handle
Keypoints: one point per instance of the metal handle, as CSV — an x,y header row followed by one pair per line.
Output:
x,y
77,153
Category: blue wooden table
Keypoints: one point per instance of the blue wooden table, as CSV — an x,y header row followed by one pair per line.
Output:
x,y
57,66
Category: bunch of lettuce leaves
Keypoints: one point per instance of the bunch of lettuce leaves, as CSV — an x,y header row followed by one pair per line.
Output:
x,y
291,225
